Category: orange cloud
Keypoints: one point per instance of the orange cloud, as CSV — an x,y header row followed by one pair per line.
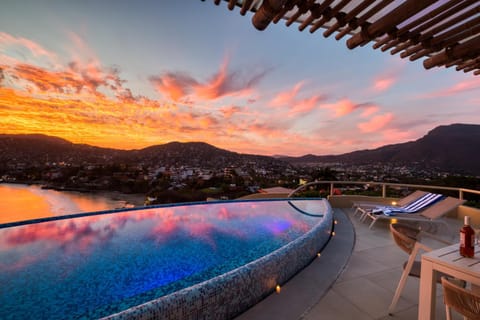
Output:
x,y
86,102
376,123
174,85
180,86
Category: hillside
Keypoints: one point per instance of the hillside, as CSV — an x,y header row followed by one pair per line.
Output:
x,y
452,148
39,149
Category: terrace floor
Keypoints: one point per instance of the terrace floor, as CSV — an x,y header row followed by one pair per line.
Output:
x,y
354,278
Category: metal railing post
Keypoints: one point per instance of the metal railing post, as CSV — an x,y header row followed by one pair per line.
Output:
x,y
460,194
384,190
331,189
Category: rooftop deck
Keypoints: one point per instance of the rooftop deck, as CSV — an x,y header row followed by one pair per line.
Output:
x,y
354,278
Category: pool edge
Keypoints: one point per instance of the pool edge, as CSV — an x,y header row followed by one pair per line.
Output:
x,y
232,293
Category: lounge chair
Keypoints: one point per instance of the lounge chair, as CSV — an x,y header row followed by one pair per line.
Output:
x,y
429,213
364,206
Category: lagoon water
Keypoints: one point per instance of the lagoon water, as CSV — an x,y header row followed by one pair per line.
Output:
x,y
20,202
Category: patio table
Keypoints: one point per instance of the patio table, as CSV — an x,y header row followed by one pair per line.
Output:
x,y
447,260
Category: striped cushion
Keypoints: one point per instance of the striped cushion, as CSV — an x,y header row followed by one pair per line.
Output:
x,y
415,206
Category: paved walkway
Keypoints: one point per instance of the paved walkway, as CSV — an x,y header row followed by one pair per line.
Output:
x,y
355,278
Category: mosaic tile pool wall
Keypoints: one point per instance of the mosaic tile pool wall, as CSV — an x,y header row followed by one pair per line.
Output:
x,y
232,293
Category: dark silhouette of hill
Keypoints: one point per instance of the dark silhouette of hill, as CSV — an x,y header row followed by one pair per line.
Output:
x,y
37,148
199,154
451,148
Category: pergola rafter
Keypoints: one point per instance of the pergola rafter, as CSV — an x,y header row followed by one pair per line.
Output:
x,y
443,32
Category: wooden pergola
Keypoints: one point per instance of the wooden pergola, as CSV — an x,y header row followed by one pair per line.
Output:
x,y
443,32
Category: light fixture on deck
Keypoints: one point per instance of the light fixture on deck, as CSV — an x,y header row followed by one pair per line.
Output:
x,y
277,288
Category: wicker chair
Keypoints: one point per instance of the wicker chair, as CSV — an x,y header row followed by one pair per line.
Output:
x,y
464,301
406,238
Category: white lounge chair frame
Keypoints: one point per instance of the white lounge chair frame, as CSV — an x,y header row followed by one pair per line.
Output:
x,y
431,213
364,207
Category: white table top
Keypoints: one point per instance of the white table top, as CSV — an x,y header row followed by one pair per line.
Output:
x,y
449,257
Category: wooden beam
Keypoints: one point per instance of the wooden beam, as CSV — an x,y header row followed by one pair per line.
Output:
x,y
246,5
316,12
468,64
302,8
463,50
431,15
348,17
449,23
389,21
267,11
354,23
288,6
329,14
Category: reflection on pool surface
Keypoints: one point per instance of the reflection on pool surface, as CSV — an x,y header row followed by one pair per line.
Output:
x,y
97,265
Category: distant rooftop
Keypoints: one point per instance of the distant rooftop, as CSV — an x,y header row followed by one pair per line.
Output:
x,y
276,190
445,33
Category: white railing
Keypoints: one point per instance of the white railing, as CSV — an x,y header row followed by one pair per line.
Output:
x,y
384,186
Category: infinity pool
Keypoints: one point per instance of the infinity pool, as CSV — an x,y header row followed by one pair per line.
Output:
x,y
96,265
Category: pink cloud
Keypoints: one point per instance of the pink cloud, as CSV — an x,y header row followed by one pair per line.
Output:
x,y
288,97
460,87
305,105
368,111
386,79
395,135
376,123
346,106
383,84
37,50
228,112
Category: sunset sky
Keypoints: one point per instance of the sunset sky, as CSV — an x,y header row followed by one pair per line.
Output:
x,y
130,74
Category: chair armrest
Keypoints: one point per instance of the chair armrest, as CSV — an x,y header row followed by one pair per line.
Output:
x,y
434,237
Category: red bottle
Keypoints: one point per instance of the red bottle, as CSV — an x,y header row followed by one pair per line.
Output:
x,y
467,239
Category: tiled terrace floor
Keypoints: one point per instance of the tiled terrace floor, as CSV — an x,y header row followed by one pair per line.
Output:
x,y
363,289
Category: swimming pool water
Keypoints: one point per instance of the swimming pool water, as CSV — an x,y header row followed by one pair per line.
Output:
x,y
97,265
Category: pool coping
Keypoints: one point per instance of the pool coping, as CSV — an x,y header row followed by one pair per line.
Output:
x,y
300,294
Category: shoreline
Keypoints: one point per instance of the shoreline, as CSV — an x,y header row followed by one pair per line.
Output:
x,y
135,199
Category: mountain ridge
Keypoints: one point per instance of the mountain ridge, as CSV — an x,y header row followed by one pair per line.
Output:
x,y
453,148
